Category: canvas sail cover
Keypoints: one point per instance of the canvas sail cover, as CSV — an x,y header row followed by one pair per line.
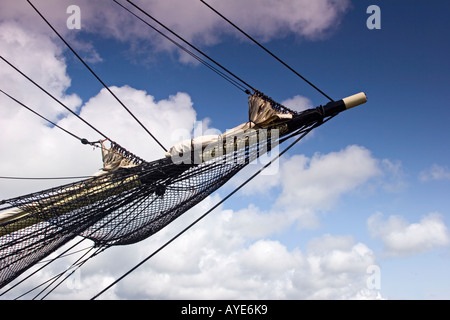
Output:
x,y
113,159
260,115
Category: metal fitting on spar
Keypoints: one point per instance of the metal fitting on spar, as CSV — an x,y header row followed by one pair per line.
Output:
x,y
335,107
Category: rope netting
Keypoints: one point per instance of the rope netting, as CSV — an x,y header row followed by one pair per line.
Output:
x,y
129,204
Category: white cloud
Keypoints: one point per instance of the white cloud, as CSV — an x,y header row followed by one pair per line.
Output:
x,y
298,103
267,18
393,177
264,19
61,155
205,266
341,254
25,135
167,115
402,238
304,186
40,59
319,181
435,172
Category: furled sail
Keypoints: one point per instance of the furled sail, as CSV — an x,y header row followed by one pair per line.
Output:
x,y
261,115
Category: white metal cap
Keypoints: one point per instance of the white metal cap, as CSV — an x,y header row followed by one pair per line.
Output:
x,y
355,100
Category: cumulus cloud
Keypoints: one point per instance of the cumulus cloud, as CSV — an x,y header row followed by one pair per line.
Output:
x,y
167,115
262,18
319,181
214,260
268,18
26,135
205,266
298,103
61,155
402,238
306,186
265,19
266,269
340,253
41,60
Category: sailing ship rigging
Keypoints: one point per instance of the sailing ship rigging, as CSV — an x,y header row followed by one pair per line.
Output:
x,y
131,199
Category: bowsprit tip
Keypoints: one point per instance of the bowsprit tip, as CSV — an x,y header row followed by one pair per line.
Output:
x,y
355,100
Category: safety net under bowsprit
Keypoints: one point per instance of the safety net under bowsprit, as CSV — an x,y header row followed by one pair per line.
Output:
x,y
130,199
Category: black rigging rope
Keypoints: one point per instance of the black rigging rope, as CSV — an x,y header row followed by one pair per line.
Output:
x,y
53,279
48,262
75,266
82,140
265,49
209,211
44,178
193,47
54,98
96,76
192,54
66,255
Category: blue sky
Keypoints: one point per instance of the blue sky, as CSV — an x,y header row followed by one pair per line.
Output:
x,y
369,188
